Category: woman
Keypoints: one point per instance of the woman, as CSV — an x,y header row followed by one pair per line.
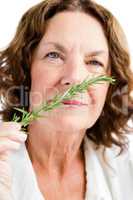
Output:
x,y
70,153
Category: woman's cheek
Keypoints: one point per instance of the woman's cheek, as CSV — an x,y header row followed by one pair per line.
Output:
x,y
98,94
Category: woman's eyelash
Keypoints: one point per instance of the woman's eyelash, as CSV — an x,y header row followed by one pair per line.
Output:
x,y
95,62
53,55
56,55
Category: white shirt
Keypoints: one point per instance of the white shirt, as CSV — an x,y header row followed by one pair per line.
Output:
x,y
112,181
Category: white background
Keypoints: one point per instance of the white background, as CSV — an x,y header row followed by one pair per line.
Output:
x,y
12,10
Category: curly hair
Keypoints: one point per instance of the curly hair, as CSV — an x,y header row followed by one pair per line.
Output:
x,y
15,60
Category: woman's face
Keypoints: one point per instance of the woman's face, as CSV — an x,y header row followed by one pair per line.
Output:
x,y
73,47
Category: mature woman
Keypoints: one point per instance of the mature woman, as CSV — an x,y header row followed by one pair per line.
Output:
x,y
72,152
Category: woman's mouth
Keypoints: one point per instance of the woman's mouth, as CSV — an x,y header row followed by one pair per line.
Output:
x,y
73,102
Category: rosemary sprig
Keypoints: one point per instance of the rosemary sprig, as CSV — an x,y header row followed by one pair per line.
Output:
x,y
27,117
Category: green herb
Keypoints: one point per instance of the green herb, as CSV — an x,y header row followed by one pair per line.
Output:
x,y
27,117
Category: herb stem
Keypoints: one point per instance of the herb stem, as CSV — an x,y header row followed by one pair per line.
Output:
x,y
27,117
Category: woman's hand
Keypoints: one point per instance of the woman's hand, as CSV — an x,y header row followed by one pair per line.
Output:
x,y
10,140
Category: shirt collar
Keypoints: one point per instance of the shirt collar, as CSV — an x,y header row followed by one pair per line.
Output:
x,y
101,178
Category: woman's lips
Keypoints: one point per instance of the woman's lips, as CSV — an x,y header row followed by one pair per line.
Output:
x,y
73,102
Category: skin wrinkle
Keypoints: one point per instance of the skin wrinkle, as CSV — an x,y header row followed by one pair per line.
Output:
x,y
55,142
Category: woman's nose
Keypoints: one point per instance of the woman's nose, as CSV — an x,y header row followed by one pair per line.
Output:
x,y
75,72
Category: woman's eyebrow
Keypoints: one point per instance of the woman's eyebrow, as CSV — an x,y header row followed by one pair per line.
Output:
x,y
97,53
62,48
56,45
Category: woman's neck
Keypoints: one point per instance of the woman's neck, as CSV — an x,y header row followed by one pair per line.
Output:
x,y
54,152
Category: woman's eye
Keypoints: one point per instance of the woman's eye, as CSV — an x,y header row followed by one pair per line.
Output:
x,y
95,62
53,55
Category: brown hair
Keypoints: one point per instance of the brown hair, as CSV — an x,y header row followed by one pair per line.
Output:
x,y
15,60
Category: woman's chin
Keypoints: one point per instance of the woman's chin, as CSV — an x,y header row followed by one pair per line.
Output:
x,y
72,122
69,118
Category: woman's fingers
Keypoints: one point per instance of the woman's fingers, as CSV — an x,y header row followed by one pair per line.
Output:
x,y
9,126
9,133
10,136
8,145
18,136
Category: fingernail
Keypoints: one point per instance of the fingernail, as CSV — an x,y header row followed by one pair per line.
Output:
x,y
14,125
17,125
23,136
17,146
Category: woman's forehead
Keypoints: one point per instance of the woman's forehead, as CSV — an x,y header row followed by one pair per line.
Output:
x,y
72,29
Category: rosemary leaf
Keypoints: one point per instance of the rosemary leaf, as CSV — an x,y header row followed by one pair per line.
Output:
x,y
27,117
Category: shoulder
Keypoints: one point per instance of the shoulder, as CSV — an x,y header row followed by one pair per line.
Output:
x,y
110,154
111,172
110,161
123,159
